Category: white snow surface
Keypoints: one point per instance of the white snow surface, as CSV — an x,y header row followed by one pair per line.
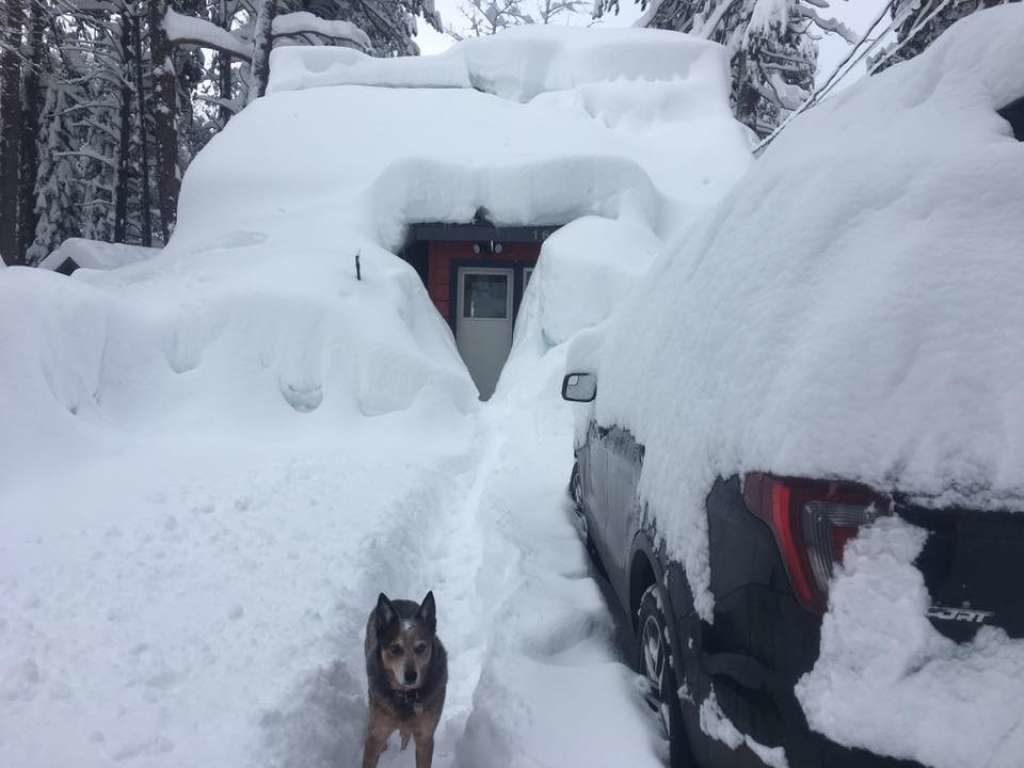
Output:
x,y
368,160
94,254
888,681
852,309
191,545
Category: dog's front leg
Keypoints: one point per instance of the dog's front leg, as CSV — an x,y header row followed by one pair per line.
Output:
x,y
424,750
372,748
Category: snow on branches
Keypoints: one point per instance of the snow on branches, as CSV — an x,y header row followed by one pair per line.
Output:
x,y
191,30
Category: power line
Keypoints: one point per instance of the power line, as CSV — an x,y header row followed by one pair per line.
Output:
x,y
832,78
853,58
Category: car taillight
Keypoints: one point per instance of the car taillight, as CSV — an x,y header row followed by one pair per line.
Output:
x,y
812,521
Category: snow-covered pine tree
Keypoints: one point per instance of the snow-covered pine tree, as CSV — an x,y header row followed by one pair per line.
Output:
x,y
32,96
919,22
11,25
57,208
488,17
390,24
772,47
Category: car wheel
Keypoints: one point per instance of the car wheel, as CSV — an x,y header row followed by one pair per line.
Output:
x,y
655,662
576,488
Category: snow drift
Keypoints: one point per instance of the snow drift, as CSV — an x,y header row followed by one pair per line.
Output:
x,y
230,339
93,254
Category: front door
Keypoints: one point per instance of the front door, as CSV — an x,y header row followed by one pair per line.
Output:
x,y
483,326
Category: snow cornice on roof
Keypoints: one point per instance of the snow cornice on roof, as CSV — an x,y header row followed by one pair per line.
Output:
x,y
518,64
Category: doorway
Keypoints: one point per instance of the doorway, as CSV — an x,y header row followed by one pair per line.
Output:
x,y
483,322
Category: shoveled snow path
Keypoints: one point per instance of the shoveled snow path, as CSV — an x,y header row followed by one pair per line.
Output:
x,y
533,677
201,602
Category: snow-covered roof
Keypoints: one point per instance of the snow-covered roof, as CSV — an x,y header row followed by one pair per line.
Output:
x,y
536,126
93,254
518,64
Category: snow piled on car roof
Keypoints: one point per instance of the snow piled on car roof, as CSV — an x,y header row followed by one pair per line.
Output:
x,y
852,309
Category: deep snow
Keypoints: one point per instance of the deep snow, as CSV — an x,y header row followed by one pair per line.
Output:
x,y
586,129
215,458
185,594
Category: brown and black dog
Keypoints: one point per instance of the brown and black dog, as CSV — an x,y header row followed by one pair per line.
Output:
x,y
407,671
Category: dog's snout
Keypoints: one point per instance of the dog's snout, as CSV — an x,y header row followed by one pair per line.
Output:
x,y
410,675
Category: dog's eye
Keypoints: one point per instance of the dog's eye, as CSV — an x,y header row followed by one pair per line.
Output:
x,y
395,650
420,648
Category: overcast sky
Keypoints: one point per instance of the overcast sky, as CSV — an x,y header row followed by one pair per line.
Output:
x,y
857,14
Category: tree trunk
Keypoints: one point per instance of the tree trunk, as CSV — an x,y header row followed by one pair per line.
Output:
x,y
262,43
124,136
32,108
224,67
10,138
226,86
165,93
140,93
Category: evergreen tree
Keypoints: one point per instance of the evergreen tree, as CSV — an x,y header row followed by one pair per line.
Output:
x,y
919,22
56,206
771,43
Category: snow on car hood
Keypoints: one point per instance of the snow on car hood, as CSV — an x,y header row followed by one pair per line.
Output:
x,y
853,309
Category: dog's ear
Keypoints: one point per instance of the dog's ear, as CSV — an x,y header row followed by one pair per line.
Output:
x,y
428,612
385,613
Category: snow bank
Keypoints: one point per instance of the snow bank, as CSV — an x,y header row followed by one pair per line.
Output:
x,y
887,680
584,271
94,254
231,339
517,64
550,664
388,142
852,309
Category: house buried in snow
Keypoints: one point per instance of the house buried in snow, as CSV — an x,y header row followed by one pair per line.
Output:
x,y
466,162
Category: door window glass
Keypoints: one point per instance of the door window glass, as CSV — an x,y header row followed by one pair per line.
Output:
x,y
485,296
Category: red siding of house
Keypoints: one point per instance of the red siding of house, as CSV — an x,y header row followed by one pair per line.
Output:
x,y
441,254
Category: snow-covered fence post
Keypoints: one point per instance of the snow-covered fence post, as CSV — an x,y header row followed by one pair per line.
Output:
x,y
359,271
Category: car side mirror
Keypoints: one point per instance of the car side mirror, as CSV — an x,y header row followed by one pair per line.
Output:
x,y
579,387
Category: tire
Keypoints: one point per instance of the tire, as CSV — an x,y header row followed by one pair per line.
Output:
x,y
655,661
575,488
